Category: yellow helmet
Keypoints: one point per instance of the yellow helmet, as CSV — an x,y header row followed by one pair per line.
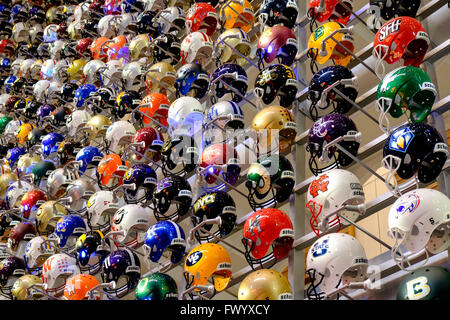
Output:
x,y
237,39
26,160
140,47
275,118
48,215
205,261
75,70
161,72
333,51
54,14
97,126
19,289
24,130
265,284
237,14
5,180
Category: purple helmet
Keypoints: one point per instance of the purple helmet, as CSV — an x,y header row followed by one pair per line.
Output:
x,y
44,111
325,130
233,75
144,179
11,269
121,263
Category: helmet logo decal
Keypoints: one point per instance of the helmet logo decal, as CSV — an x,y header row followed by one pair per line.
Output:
x,y
255,225
318,33
417,288
401,139
119,216
389,29
408,205
203,201
320,184
320,248
193,258
320,128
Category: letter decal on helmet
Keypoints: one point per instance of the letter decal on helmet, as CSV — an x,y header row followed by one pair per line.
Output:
x,y
417,288
119,216
389,29
255,224
320,184
410,203
318,33
401,139
193,258
320,248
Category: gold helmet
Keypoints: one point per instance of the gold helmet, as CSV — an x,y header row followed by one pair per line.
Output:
x,y
237,14
265,284
161,78
205,261
22,290
75,70
275,118
48,215
97,126
26,160
237,39
24,130
140,48
74,30
55,14
5,180
35,70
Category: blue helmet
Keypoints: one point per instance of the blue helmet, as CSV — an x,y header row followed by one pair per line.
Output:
x,y
233,75
90,156
144,178
192,77
19,13
165,235
67,226
5,66
51,142
13,155
8,83
278,12
82,93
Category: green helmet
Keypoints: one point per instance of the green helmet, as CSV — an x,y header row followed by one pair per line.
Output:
x,y
405,88
157,286
3,122
270,174
426,283
42,170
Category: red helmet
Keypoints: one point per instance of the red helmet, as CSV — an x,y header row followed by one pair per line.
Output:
x,y
61,31
83,48
201,16
7,48
153,142
31,201
278,41
402,37
156,106
21,231
267,227
334,11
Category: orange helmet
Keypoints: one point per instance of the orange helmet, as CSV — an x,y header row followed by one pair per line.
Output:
x,y
78,287
110,171
117,50
156,106
98,48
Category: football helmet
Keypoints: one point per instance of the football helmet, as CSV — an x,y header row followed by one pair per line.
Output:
x,y
280,120
58,180
25,162
237,39
20,32
277,42
265,284
322,95
21,290
329,192
13,155
206,261
405,88
110,171
201,16
390,9
108,26
68,229
83,94
88,157
196,47
276,80
50,143
140,47
123,267
155,106
119,135
40,172
75,70
276,12
80,191
67,151
210,206
11,269
414,149
419,220
179,155
185,116
143,177
7,48
48,215
332,51
269,181
92,72
78,287
333,11
147,24
237,14
6,180
170,18
426,283
172,198
326,130
226,115
133,76
97,126
126,102
334,260
264,228
192,81
16,191
160,78
151,141
157,286
55,272
31,201
91,250
60,73
100,209
400,38
39,90
111,76
37,251
162,236
99,48
19,236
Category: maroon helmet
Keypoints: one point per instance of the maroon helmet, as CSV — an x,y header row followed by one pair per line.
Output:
x,y
278,42
153,142
23,231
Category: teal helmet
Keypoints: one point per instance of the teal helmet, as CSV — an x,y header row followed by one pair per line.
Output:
x,y
402,89
3,122
426,283
157,286
41,171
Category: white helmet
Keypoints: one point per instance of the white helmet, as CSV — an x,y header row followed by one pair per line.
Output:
x,y
93,71
126,25
185,114
74,30
80,191
169,17
53,92
101,207
36,33
133,76
225,115
334,259
15,192
76,121
15,66
37,251
420,220
107,26
39,89
112,75
60,72
25,67
133,220
56,270
55,49
58,181
3,98
20,32
119,134
81,11
11,129
47,69
50,33
330,191
196,47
